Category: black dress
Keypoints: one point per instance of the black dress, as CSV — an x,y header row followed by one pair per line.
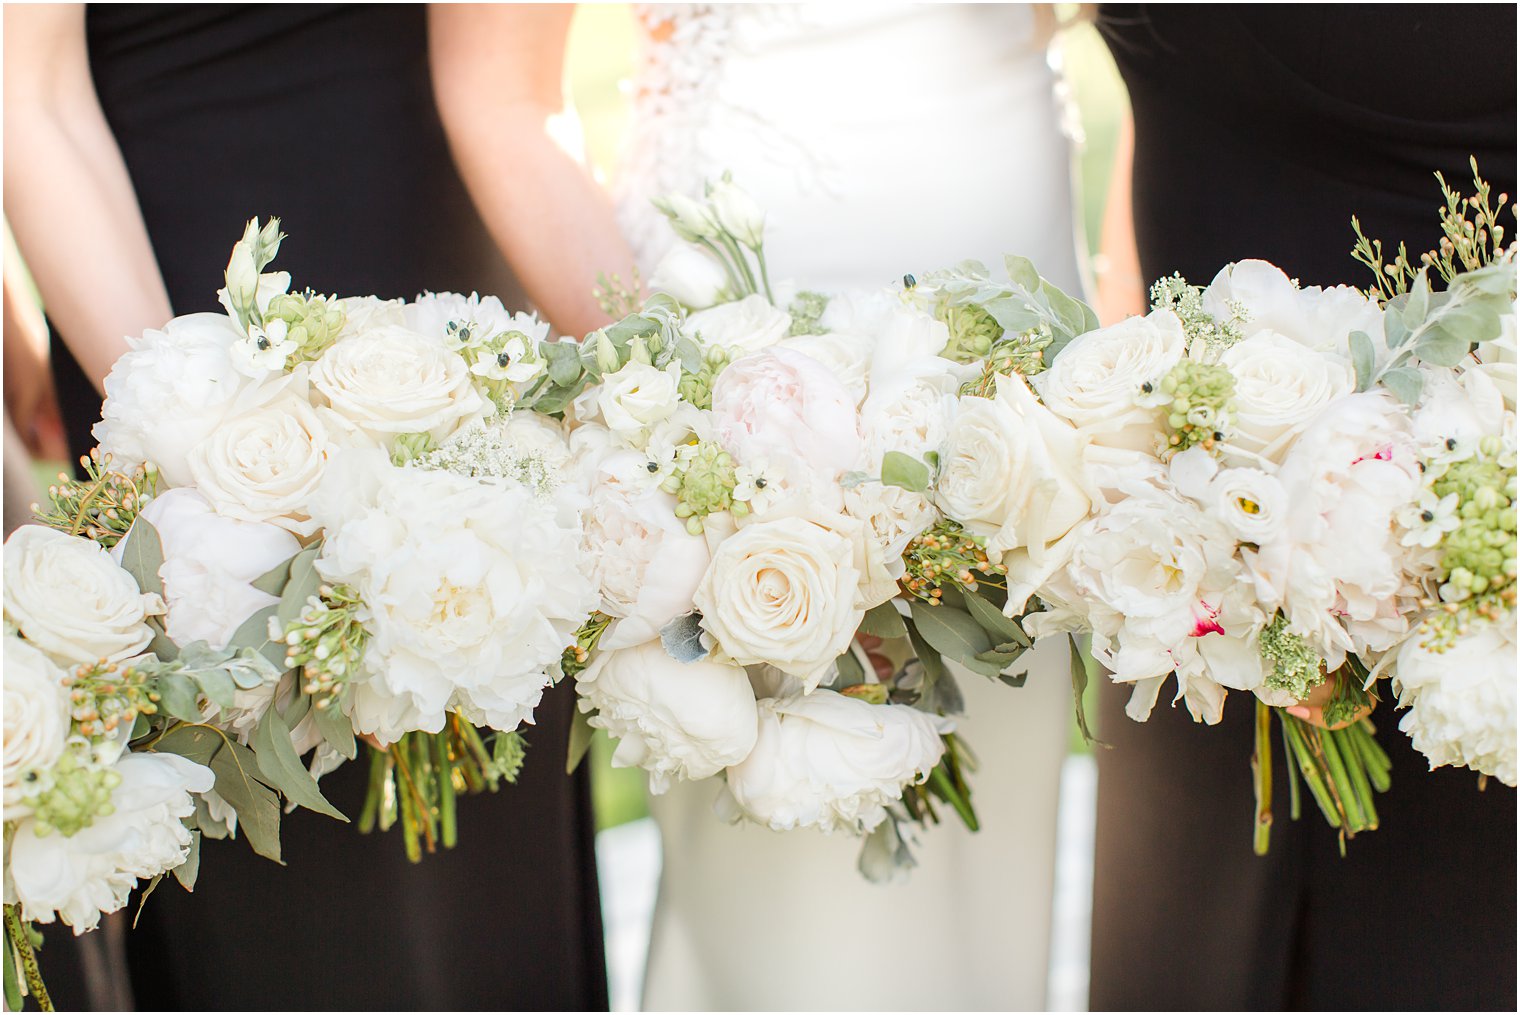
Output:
x,y
324,115
1258,133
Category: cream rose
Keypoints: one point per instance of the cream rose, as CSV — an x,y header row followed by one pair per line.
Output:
x,y
1279,387
70,599
636,398
743,327
1096,380
36,720
783,405
675,720
390,380
783,592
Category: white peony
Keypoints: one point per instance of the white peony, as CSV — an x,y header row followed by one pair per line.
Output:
x,y
643,561
78,878
892,516
783,405
1095,382
36,718
1462,701
70,599
209,561
912,415
1497,360
826,761
636,398
676,720
265,465
472,589
1016,473
846,355
1322,319
1279,387
390,380
691,275
783,592
1457,407
742,327
172,390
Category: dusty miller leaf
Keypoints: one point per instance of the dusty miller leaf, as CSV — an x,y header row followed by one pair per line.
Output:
x,y
682,638
905,471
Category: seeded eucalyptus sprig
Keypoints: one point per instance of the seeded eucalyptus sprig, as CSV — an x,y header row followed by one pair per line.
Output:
x,y
103,505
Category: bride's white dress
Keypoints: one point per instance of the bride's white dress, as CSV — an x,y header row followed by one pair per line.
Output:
x,y
881,138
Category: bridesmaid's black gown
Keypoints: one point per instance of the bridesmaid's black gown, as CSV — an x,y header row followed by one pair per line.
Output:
x,y
324,115
1258,133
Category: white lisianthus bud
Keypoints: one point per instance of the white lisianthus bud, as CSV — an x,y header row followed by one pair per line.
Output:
x,y
737,213
690,219
692,275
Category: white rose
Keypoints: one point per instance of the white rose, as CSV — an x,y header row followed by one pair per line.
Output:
x,y
1014,472
79,877
389,380
826,761
36,718
166,395
361,313
1462,700
209,560
1279,387
783,405
846,355
643,561
676,720
1322,319
264,465
1097,378
70,599
783,592
471,590
691,275
742,327
637,397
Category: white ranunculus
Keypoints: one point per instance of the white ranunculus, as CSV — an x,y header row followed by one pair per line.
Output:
x,y
36,718
1250,503
472,588
1279,387
742,327
264,465
209,561
675,720
71,600
1462,701
1096,380
845,354
165,396
390,380
79,877
643,561
1016,473
783,405
691,275
834,763
636,398
783,592
1322,319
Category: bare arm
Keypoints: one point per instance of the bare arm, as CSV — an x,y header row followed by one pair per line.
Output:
x,y
497,73
67,194
1121,290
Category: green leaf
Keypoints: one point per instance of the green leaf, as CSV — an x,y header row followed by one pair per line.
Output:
x,y
1078,689
884,622
216,684
257,806
161,646
143,555
905,471
564,360
1417,306
272,582
580,740
303,584
282,768
1022,272
1363,358
1440,347
1394,332
1000,658
177,693
253,634
142,900
1015,679
11,961
193,743
1406,383
682,638
992,621
185,873
933,664
955,634
850,672
337,729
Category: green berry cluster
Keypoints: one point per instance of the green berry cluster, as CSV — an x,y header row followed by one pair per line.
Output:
x,y
696,388
103,505
1478,556
1201,407
578,656
312,322
1023,354
1296,667
806,310
75,794
703,484
327,641
972,331
104,696
945,553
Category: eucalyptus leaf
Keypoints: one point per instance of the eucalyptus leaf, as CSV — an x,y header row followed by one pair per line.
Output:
x,y
282,768
933,665
564,359
944,695
850,672
1015,679
992,621
162,646
954,634
142,556
1363,358
186,872
905,471
142,900
682,638
303,584
1022,272
273,581
178,695
257,806
884,622
580,740
1417,306
337,729
1079,689
253,634
1406,383
1001,659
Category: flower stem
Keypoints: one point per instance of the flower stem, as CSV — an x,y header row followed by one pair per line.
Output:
x,y
376,791
742,262
1308,767
446,810
1340,782
734,279
765,275
22,943
1261,770
1294,802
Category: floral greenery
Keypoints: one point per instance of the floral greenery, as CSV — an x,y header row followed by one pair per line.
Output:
x,y
103,505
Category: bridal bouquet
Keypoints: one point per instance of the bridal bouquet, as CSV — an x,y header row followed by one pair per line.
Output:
x,y
308,518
